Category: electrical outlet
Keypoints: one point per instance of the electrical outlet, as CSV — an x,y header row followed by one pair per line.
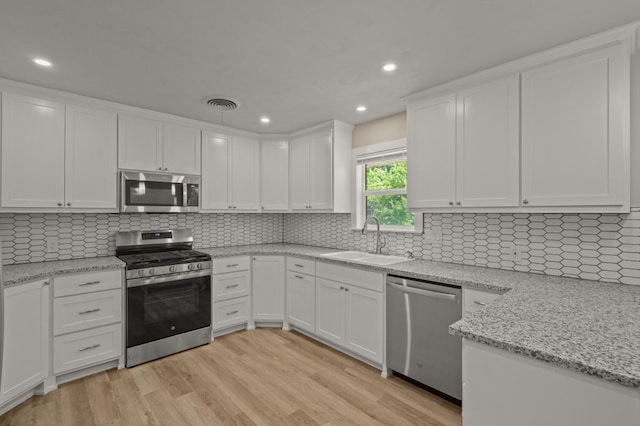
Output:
x,y
52,245
513,252
428,236
517,253
235,236
437,235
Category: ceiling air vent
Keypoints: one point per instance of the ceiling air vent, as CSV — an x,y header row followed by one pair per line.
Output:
x,y
221,103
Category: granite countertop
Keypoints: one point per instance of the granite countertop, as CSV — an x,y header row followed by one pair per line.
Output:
x,y
24,272
586,326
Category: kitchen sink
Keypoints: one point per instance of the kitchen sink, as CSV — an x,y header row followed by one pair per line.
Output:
x,y
366,258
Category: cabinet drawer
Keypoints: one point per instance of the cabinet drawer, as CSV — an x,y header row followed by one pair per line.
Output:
x,y
85,283
353,276
230,312
301,265
231,285
77,350
230,264
83,311
476,299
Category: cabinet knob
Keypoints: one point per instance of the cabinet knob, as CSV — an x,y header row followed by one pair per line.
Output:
x,y
450,203
262,207
160,168
229,207
234,207
166,169
458,203
525,201
68,204
59,204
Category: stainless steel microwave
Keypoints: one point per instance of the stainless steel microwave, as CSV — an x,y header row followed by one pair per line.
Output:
x,y
143,192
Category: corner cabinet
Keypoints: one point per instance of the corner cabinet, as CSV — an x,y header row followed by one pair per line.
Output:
x,y
268,288
230,172
320,168
152,145
56,156
575,148
274,174
25,360
463,148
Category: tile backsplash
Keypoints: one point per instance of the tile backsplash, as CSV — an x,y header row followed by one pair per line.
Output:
x,y
24,236
603,247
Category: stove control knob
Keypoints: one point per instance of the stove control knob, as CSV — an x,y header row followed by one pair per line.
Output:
x,y
172,268
141,273
190,267
150,271
199,266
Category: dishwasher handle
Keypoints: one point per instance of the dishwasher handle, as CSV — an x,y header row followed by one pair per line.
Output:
x,y
427,293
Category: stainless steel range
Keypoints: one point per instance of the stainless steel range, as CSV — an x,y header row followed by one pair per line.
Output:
x,y
168,293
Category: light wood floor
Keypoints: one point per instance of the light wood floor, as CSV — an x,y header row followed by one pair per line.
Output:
x,y
261,377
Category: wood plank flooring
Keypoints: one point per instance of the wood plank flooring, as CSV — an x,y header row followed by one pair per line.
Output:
x,y
258,377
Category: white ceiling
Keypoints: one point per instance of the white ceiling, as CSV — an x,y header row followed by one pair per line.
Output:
x,y
300,62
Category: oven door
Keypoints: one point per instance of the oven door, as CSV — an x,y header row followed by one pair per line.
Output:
x,y
165,306
160,193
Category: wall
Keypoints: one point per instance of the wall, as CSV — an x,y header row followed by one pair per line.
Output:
x,y
91,235
382,130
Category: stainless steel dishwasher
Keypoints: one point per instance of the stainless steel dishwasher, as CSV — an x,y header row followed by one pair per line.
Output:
x,y
419,345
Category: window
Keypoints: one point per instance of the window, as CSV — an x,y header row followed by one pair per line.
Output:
x,y
381,187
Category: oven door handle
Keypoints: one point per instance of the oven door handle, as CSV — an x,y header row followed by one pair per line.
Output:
x,y
137,282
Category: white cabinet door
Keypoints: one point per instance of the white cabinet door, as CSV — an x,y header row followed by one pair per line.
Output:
x,y
26,335
431,159
245,173
330,310
139,143
91,169
32,152
267,290
274,175
215,171
301,300
488,141
364,322
572,131
320,170
299,182
181,149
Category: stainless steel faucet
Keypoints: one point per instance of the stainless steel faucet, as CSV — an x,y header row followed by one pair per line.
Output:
x,y
380,242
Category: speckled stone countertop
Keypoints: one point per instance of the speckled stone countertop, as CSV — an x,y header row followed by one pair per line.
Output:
x,y
585,326
24,272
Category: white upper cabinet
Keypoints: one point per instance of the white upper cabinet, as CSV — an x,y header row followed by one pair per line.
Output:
x,y
487,145
32,152
320,168
57,159
462,148
230,172
91,156
431,150
274,175
181,149
151,145
574,114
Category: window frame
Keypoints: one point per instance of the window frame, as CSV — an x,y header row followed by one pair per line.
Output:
x,y
358,211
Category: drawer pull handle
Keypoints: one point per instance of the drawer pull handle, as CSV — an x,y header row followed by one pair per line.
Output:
x,y
231,265
298,265
89,283
299,276
231,313
90,311
232,286
88,348
479,303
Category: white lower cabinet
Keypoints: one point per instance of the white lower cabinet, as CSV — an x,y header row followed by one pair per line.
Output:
x,y
268,288
350,312
301,298
501,388
87,320
231,290
25,357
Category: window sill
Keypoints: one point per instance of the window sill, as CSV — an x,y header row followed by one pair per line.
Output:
x,y
392,231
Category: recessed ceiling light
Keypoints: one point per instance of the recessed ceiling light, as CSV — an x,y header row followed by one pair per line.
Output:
x,y
361,108
42,62
389,67
265,120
